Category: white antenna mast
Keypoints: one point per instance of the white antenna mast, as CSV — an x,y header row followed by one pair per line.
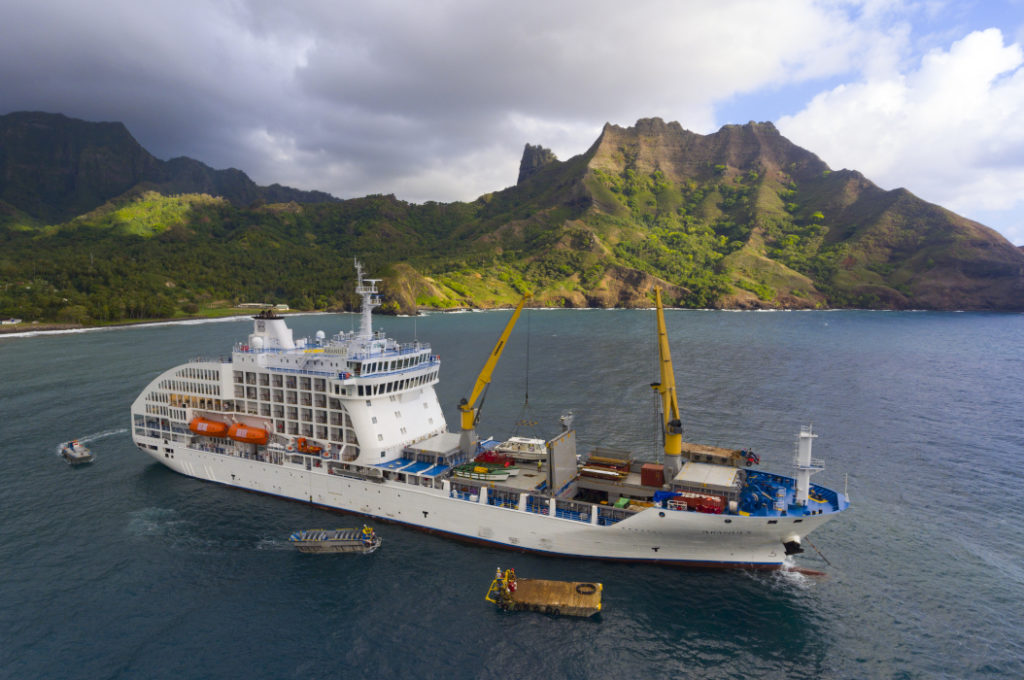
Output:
x,y
367,289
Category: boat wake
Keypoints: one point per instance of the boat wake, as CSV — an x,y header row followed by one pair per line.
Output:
x,y
162,522
102,435
795,576
273,544
789,576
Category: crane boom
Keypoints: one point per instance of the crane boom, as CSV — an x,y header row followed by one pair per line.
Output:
x,y
673,426
468,410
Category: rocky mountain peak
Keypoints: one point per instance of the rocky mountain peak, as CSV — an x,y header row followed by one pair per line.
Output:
x,y
534,158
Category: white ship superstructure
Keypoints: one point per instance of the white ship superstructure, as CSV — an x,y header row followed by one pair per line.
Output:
x,y
353,423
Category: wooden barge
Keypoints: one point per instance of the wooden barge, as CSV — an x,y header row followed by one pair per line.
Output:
x,y
571,598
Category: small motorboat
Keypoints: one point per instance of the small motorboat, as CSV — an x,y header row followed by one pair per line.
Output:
x,y
524,448
76,453
363,540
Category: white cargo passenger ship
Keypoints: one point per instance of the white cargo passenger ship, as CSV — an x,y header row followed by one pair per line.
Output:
x,y
353,424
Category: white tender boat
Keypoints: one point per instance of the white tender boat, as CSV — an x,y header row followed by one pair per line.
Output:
x,y
76,453
523,448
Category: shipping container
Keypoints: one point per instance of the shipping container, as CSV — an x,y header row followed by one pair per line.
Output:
x,y
652,474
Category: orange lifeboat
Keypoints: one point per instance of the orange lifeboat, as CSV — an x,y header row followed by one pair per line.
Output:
x,y
248,434
208,428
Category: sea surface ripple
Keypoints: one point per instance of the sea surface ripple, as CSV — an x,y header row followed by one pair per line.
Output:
x,y
124,569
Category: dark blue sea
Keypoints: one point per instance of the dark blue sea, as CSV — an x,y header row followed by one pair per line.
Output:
x,y
124,569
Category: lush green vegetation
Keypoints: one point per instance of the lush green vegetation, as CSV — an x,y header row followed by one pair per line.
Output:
x,y
573,232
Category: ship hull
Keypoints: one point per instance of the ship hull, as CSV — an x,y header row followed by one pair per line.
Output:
x,y
653,535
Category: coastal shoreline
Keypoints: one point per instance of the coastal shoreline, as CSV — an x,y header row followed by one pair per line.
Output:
x,y
31,330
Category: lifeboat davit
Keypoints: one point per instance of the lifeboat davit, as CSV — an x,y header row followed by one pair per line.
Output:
x,y
208,428
248,434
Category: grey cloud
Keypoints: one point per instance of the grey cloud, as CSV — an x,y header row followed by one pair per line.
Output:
x,y
360,97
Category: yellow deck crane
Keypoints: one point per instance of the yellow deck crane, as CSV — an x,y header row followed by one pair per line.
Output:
x,y
673,426
468,410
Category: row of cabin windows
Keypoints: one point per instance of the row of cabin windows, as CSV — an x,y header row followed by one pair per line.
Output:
x,y
191,400
297,414
200,374
188,386
369,367
285,397
274,380
395,385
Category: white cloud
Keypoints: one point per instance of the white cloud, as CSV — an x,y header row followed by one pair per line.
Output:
x,y
950,129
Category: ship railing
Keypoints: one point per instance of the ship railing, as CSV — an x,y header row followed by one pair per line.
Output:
x,y
465,492
398,371
538,505
816,464
430,363
573,510
404,348
607,516
504,499
304,371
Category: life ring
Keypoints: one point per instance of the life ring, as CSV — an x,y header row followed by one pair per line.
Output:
x,y
290,447
586,588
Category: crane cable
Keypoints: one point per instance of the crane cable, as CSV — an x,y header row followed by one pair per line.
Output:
x,y
523,413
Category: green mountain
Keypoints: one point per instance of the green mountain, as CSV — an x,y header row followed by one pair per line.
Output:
x,y
745,218
741,218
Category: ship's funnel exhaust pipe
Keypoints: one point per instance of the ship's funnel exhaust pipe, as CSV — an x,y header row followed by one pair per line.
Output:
x,y
792,545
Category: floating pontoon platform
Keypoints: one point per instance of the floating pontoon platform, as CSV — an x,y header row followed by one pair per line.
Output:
x,y
571,598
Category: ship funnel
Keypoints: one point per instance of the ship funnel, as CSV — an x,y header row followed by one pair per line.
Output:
x,y
270,332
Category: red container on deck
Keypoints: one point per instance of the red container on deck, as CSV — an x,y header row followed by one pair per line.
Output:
x,y
652,474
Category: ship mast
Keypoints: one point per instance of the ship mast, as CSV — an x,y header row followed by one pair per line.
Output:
x,y
805,464
673,426
367,289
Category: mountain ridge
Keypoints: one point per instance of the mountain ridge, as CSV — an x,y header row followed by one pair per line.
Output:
x,y
740,218
91,163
